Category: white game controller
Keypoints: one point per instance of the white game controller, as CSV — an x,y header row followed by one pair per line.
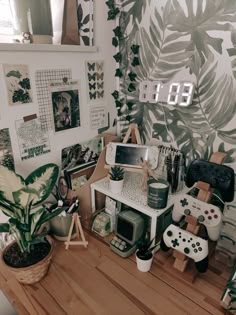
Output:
x,y
130,155
206,213
187,243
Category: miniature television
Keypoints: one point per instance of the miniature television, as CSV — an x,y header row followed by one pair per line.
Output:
x,y
130,226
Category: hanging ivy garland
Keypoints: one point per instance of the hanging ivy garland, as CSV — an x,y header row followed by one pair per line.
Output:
x,y
123,105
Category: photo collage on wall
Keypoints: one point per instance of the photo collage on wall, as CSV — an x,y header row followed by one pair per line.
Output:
x,y
95,79
18,84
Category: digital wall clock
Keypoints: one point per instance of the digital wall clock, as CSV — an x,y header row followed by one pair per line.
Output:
x,y
172,93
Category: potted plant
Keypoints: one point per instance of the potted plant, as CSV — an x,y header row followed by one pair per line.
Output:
x,y
29,256
144,254
116,179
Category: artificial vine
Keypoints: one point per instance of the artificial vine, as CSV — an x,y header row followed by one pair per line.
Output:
x,y
123,105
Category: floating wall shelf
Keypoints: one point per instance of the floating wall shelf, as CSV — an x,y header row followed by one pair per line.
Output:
x,y
47,48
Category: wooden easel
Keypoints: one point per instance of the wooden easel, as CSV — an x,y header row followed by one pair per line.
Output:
x,y
204,194
79,232
132,132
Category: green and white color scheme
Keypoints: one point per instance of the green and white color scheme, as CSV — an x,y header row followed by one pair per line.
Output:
x,y
183,40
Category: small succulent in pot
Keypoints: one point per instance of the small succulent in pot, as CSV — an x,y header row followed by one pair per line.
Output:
x,y
145,248
116,173
20,201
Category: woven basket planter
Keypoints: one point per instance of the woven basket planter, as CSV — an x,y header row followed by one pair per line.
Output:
x,y
34,273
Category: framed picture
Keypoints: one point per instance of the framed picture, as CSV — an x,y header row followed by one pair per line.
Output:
x,y
81,153
77,177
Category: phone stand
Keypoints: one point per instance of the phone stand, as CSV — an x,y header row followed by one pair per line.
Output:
x,y
79,232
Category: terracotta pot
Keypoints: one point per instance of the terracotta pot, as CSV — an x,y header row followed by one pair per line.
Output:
x,y
34,273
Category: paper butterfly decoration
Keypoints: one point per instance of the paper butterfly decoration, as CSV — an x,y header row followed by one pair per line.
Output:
x,y
100,76
91,66
100,94
99,66
92,76
92,86
100,85
92,95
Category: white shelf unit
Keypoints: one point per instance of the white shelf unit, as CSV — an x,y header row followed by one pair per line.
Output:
x,y
133,196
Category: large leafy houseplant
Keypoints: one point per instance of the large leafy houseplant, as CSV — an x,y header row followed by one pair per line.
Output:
x,y
19,201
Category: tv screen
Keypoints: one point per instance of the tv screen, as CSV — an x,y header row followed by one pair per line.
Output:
x,y
130,155
130,226
125,228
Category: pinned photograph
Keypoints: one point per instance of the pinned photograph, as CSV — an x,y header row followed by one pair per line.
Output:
x,y
85,153
18,84
95,80
65,104
6,155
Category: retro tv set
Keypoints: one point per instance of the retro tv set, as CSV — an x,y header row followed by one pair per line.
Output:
x,y
130,226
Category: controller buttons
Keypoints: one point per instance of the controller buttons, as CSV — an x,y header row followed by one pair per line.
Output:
x,y
195,250
169,233
191,238
212,210
193,245
209,217
201,219
184,240
199,208
198,244
186,250
187,212
200,249
216,216
175,242
184,202
206,212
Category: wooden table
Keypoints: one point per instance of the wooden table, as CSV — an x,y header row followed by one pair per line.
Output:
x,y
97,281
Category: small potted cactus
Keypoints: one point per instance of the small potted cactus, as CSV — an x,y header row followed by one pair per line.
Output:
x,y
116,179
144,253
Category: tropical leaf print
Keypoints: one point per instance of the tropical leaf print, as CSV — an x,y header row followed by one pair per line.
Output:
x,y
177,37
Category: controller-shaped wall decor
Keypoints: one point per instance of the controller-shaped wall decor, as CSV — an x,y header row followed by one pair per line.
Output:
x,y
187,243
206,214
217,176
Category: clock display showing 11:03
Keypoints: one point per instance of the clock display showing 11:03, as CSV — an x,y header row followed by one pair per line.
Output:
x,y
174,93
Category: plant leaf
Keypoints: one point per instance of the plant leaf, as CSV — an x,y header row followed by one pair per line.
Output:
x,y
42,181
9,182
4,227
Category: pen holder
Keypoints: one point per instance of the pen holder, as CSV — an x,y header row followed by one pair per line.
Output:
x,y
157,193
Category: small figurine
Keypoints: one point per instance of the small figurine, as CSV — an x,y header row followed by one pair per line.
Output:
x,y
27,38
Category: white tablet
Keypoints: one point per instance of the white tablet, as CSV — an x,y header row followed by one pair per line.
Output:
x,y
131,155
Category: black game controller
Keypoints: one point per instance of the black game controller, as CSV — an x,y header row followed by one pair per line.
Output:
x,y
220,177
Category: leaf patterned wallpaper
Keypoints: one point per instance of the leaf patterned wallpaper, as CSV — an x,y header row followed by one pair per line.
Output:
x,y
184,40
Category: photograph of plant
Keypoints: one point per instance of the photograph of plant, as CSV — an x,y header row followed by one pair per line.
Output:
x,y
18,84
179,40
85,22
6,155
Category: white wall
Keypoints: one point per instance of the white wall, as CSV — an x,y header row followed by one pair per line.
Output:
x,y
54,60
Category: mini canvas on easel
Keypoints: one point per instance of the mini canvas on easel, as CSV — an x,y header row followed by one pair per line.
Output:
x,y
79,232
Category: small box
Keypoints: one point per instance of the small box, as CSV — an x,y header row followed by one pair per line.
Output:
x,y
102,224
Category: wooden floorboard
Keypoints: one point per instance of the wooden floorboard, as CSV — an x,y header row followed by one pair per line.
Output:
x,y
98,281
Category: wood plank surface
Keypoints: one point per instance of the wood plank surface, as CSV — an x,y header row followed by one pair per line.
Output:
x,y
98,281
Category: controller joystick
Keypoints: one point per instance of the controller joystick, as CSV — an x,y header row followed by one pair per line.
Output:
x,y
207,214
185,242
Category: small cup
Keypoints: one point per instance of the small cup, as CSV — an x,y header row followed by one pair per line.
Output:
x,y
157,194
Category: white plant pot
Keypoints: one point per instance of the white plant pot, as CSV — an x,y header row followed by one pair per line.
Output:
x,y
144,265
116,186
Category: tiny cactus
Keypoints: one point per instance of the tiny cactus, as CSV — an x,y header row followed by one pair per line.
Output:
x,y
116,173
